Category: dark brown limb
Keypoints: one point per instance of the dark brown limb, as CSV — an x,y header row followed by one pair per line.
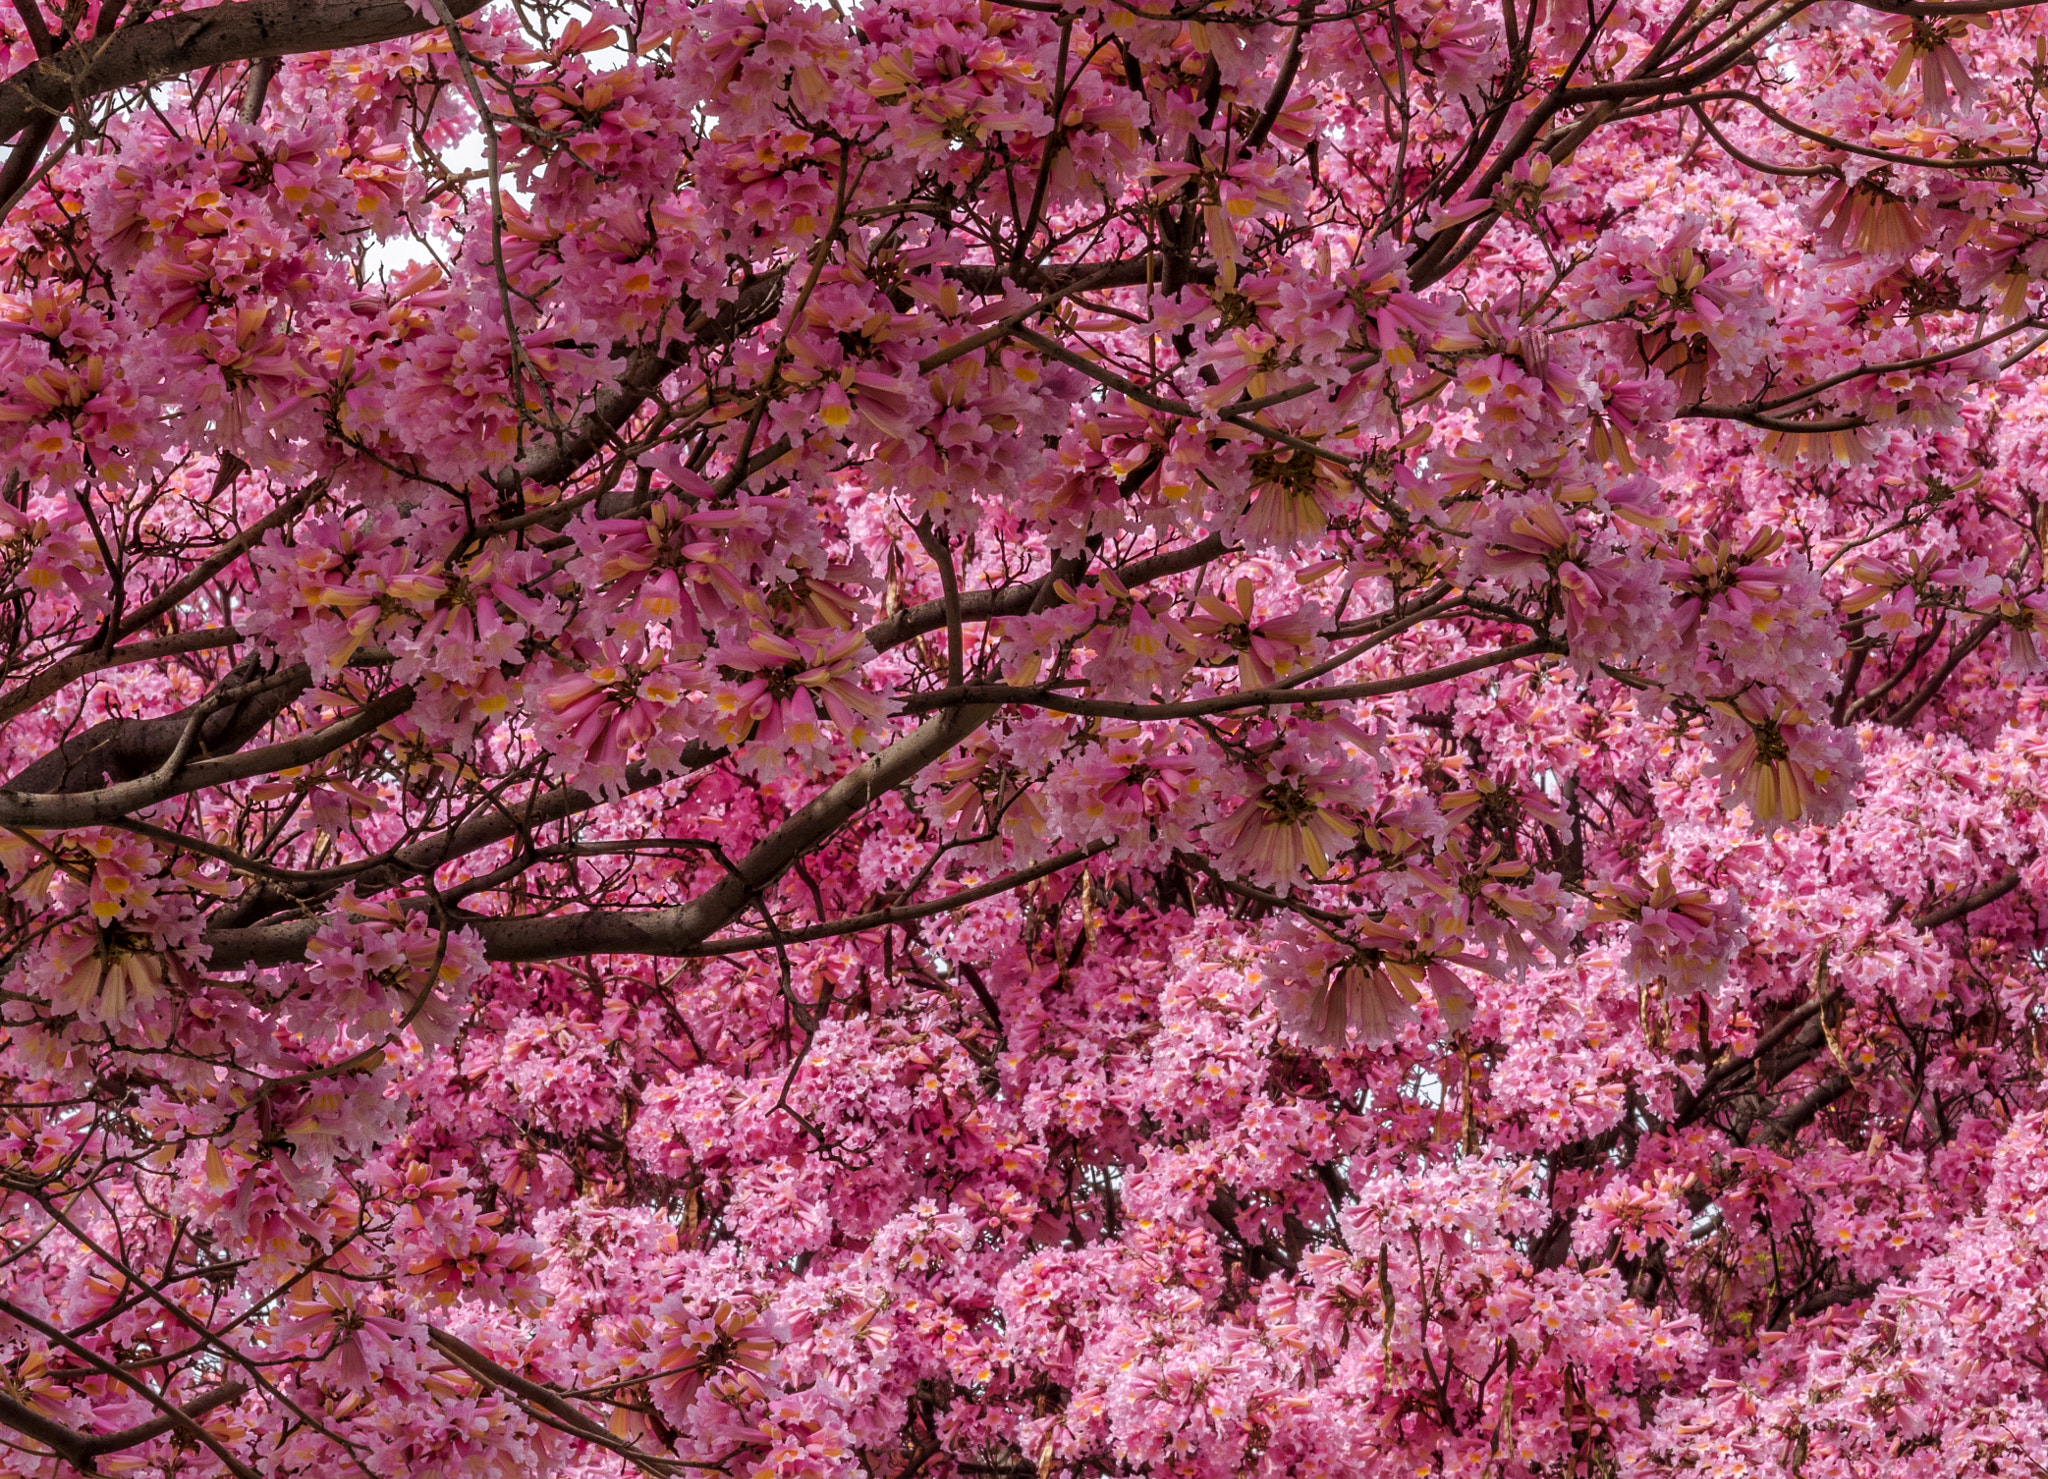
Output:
x,y
177,44
1787,1125
182,773
678,931
80,1449
1968,904
118,750
257,88
1015,600
1908,711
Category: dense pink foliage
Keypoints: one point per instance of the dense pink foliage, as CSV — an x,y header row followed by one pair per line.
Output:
x,y
1025,738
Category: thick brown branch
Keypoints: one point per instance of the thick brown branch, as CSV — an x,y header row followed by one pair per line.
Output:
x,y
556,462
28,153
1813,1304
1968,904
61,675
1787,1125
201,38
179,776
1058,277
493,825
678,931
119,750
80,1449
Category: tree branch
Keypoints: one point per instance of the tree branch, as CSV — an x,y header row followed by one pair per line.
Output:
x,y
681,930
174,1417
551,1402
904,913
178,775
60,675
1224,703
1058,277
117,750
80,1449
1968,904
493,824
1813,1304
551,465
1800,1115
1015,600
200,38
1910,709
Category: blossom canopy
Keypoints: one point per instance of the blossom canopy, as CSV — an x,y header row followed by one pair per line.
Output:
x,y
1027,738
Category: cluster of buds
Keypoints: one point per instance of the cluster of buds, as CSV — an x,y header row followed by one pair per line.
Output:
x,y
609,708
1286,828
1358,996
1677,935
1931,44
775,686
731,1350
1266,651
1717,569
1785,768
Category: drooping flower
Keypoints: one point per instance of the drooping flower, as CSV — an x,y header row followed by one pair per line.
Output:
x,y
1284,831
1945,82
1679,935
1266,650
1355,997
1785,768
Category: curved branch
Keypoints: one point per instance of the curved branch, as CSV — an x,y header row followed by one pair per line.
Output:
x,y
1283,82
1830,141
1109,378
1756,411
1773,423
904,913
173,1417
556,462
1968,904
1908,711
1762,166
1730,53
173,596
371,875
61,675
681,930
80,1449
116,750
1015,600
21,164
1225,703
554,1405
178,777
200,38
1130,272
1813,1304
1788,1125
1943,12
